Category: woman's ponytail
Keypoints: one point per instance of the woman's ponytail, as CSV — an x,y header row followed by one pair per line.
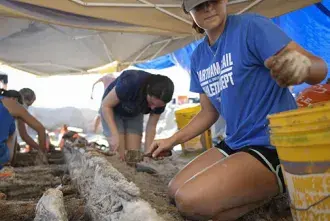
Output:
x,y
11,94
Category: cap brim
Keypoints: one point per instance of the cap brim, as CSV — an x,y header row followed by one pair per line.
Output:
x,y
190,5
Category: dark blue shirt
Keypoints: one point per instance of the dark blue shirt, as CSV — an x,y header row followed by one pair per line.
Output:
x,y
133,99
7,128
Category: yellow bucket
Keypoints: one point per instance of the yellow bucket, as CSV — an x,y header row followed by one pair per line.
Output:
x,y
302,140
183,117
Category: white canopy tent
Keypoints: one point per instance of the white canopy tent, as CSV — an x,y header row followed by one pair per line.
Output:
x,y
48,37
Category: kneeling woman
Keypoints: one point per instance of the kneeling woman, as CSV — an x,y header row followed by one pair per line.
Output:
x,y
125,101
11,109
241,70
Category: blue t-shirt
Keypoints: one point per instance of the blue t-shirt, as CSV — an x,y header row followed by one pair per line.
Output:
x,y
232,74
131,94
7,128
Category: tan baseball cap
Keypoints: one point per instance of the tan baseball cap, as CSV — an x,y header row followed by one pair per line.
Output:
x,y
190,4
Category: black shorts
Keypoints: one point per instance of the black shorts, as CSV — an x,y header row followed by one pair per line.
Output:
x,y
4,78
268,157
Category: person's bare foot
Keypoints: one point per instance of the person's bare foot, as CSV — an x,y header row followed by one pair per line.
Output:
x,y
122,158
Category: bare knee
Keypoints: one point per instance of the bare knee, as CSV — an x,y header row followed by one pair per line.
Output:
x,y
190,206
172,188
176,183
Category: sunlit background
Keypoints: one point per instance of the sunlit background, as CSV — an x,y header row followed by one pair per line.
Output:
x,y
75,90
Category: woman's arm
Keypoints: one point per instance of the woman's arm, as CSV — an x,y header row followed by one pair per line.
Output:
x,y
24,135
108,103
294,65
200,123
151,129
96,82
18,111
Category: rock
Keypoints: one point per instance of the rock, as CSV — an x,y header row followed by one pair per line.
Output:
x,y
132,157
141,167
66,179
3,196
51,207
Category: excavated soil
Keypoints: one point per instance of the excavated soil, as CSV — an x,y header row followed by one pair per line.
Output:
x,y
24,189
29,182
154,190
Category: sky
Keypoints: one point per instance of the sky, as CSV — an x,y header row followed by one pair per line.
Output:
x,y
75,90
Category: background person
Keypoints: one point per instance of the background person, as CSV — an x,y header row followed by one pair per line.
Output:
x,y
125,101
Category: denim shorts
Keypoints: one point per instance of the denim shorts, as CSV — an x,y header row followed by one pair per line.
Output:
x,y
125,125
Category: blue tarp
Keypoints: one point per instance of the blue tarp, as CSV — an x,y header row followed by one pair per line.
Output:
x,y
309,27
159,63
179,57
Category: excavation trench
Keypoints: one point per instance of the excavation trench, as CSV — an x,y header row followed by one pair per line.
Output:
x,y
22,191
82,184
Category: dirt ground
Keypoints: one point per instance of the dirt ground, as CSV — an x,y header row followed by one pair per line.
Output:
x,y
27,186
23,190
154,190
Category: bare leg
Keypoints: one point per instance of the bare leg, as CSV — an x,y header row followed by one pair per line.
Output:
x,y
233,214
227,189
121,149
133,141
204,160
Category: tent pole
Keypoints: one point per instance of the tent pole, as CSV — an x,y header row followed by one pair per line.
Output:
x,y
47,64
236,2
166,12
134,5
249,6
146,4
161,49
107,50
142,52
166,41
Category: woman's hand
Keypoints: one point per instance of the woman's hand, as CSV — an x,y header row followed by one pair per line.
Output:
x,y
114,142
159,147
289,67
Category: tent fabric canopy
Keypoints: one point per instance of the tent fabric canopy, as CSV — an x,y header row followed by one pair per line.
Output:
x,y
47,37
